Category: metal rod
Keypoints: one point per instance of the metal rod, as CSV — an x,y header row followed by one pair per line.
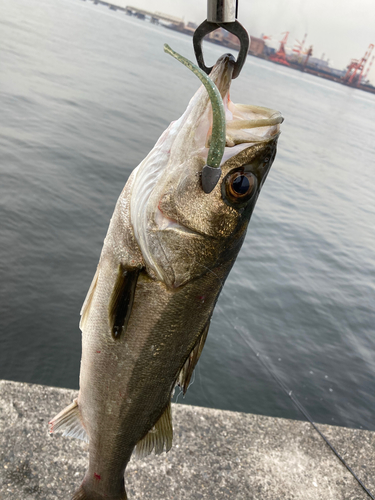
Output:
x,y
221,11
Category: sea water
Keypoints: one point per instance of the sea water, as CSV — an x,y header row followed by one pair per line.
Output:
x,y
84,94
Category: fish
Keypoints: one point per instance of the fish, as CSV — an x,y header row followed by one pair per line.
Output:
x,y
169,248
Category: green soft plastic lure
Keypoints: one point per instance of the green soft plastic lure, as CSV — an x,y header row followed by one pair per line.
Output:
x,y
217,144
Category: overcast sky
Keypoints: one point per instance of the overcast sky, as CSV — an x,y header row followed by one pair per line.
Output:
x,y
341,29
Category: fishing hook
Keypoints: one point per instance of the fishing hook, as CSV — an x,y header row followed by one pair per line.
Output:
x,y
221,14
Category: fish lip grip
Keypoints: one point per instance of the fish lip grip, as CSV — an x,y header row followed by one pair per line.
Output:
x,y
232,27
222,14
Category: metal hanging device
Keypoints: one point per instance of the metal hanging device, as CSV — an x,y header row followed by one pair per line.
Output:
x,y
221,14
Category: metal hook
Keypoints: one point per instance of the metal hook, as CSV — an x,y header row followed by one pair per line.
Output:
x,y
233,27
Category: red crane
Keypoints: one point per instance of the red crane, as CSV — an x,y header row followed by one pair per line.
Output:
x,y
280,55
355,69
298,46
368,68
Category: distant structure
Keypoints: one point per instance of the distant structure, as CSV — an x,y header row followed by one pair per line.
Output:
x,y
368,69
154,17
257,46
298,46
320,64
280,56
298,58
167,17
308,55
354,73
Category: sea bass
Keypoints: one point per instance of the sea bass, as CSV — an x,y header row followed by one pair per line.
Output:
x,y
168,251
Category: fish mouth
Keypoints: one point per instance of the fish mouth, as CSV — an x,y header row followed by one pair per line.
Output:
x,y
221,73
165,223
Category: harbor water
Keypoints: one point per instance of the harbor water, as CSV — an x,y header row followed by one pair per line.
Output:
x,y
84,94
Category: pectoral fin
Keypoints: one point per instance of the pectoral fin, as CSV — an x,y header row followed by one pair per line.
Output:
x,y
186,372
121,302
158,438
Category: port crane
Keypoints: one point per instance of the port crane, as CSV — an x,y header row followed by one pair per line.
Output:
x,y
354,73
298,46
280,55
309,53
368,68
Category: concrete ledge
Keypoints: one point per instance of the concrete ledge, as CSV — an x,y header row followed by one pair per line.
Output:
x,y
216,455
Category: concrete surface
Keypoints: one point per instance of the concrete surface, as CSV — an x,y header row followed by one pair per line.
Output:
x,y
216,455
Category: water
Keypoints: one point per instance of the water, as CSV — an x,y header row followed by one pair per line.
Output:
x,y
84,94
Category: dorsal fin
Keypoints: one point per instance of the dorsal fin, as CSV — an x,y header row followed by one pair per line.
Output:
x,y
186,372
121,302
87,303
160,436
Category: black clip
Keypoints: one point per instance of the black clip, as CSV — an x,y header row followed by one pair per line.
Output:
x,y
236,29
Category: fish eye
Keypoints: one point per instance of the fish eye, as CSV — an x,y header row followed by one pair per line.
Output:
x,y
240,187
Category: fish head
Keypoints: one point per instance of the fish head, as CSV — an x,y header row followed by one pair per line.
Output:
x,y
182,231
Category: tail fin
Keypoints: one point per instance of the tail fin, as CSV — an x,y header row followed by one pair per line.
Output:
x,y
81,494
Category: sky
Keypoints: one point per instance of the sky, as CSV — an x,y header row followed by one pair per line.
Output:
x,y
340,29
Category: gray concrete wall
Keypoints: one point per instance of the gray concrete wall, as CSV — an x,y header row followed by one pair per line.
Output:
x,y
216,455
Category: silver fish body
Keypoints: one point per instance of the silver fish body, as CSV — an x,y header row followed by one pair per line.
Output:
x,y
167,253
